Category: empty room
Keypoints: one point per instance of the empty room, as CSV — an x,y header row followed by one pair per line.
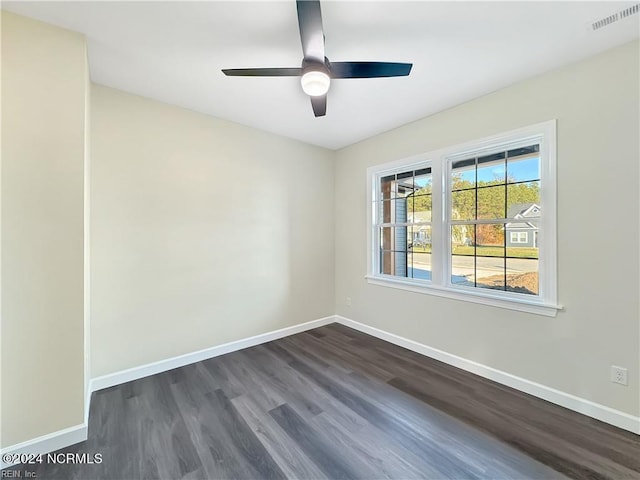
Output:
x,y
320,240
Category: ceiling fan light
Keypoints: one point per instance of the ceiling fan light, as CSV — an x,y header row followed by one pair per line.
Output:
x,y
315,83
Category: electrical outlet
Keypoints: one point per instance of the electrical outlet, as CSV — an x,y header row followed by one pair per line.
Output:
x,y
619,375
348,301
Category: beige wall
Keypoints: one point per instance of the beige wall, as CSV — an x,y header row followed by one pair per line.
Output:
x,y
596,105
202,231
44,71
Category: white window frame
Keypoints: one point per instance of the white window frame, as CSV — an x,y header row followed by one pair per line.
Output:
x,y
516,237
545,303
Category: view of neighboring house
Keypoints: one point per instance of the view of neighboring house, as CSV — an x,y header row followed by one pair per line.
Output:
x,y
522,233
420,234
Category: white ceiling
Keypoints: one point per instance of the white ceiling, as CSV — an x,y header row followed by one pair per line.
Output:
x,y
173,52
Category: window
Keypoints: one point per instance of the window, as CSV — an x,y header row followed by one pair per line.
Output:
x,y
519,237
404,224
490,194
473,222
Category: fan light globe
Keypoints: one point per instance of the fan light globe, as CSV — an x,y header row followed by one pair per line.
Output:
x,y
315,83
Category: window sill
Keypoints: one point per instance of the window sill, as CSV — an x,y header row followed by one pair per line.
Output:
x,y
522,305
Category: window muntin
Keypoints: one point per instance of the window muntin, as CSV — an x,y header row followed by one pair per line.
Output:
x,y
471,225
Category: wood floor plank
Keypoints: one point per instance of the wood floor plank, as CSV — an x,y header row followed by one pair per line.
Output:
x,y
219,457
285,451
221,378
292,343
331,348
300,383
240,434
276,380
255,384
387,459
324,454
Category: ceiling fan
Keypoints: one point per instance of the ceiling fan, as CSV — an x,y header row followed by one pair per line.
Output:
x,y
317,71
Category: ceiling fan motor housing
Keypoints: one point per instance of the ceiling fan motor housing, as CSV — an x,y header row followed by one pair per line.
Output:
x,y
316,77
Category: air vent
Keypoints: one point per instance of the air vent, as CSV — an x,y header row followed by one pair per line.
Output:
x,y
627,12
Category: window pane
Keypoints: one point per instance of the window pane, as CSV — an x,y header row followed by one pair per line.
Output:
x,y
522,276
463,239
419,209
393,211
522,239
462,270
404,184
403,239
491,169
420,266
396,186
463,205
399,211
393,263
490,272
523,164
490,240
393,238
462,255
491,202
386,187
463,174
420,241
422,181
384,212
385,262
522,235
520,197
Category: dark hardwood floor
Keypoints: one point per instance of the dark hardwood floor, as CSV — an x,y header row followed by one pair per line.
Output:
x,y
335,403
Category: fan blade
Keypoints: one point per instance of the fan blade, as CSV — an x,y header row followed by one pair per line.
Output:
x,y
311,34
319,105
263,72
369,69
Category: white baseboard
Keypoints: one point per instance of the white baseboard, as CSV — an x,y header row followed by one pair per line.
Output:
x,y
44,444
586,407
87,402
130,374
